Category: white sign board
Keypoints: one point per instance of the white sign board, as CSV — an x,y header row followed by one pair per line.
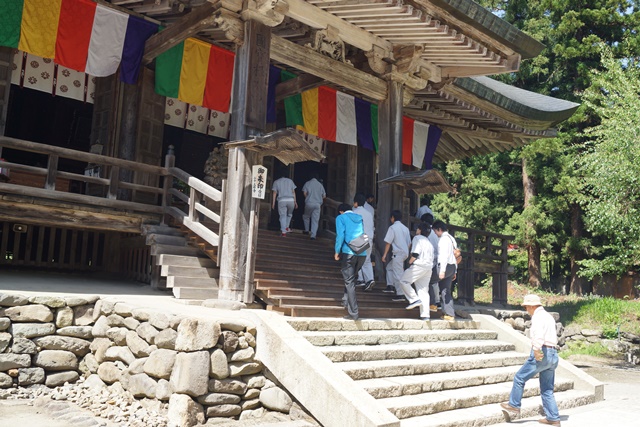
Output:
x,y
258,182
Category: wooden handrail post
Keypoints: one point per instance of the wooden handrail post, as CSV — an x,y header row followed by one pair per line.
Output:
x,y
193,199
169,162
114,181
52,172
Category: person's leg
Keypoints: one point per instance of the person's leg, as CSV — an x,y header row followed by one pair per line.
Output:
x,y
434,287
306,216
525,373
408,277
398,270
445,290
422,289
366,273
315,218
282,212
290,206
547,380
348,269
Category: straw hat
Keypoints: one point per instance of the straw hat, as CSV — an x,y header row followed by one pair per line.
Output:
x,y
531,299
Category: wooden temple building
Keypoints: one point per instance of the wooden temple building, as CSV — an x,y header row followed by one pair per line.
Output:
x,y
104,152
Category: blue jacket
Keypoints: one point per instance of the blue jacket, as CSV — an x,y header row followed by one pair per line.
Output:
x,y
348,227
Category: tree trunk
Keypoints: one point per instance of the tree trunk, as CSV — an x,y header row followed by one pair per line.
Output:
x,y
577,285
533,248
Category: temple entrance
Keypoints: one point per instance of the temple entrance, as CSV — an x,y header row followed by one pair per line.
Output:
x,y
303,172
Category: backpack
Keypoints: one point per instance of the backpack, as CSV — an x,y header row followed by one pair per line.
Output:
x,y
457,253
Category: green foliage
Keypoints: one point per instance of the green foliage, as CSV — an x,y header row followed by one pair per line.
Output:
x,y
587,348
610,169
605,314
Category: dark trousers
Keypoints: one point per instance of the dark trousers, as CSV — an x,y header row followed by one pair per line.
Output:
x,y
350,265
446,298
434,287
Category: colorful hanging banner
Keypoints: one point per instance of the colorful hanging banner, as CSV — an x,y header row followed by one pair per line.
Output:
x,y
196,118
78,34
432,144
197,73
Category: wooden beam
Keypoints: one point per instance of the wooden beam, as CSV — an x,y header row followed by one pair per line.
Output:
x,y
341,74
297,85
187,26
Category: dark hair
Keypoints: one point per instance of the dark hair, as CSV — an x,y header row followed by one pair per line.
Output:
x,y
343,208
370,196
439,225
424,228
428,218
397,215
360,199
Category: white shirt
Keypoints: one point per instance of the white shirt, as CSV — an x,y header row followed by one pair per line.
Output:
x,y
424,209
445,252
434,239
367,220
543,329
284,188
400,239
424,249
370,209
314,192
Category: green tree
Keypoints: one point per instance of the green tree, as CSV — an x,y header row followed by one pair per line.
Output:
x,y
610,168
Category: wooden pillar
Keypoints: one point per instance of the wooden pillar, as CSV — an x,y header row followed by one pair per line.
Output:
x,y
352,173
129,114
248,119
390,161
6,60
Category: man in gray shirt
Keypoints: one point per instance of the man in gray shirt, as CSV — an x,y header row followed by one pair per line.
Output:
x,y
283,191
314,195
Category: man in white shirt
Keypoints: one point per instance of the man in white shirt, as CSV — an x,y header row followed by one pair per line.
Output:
x,y
284,192
543,360
434,288
368,205
366,272
314,195
398,238
419,272
424,209
447,268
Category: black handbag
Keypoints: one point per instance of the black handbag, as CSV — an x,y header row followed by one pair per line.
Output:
x,y
359,244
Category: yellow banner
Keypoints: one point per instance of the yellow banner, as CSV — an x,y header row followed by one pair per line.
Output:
x,y
39,27
193,75
310,111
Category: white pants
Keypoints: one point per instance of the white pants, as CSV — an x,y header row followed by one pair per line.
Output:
x,y
420,277
285,210
395,268
366,272
311,214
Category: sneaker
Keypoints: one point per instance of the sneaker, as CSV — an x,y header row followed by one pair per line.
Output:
x,y
360,284
389,290
426,319
509,409
448,318
369,286
313,238
549,423
349,317
305,232
398,298
414,304
283,235
433,308
288,229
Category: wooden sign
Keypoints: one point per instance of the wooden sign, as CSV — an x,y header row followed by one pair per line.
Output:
x,y
258,182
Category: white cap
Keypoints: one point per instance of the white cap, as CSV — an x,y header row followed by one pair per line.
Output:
x,y
531,299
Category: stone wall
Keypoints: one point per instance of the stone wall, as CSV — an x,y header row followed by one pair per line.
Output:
x,y
521,321
197,369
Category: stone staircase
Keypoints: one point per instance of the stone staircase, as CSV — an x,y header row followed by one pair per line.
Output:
x,y
188,272
428,374
299,277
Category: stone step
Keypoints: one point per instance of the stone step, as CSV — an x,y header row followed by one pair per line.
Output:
x,y
185,261
161,239
435,402
404,350
416,384
426,365
195,293
489,414
201,272
323,324
161,229
343,338
191,282
158,250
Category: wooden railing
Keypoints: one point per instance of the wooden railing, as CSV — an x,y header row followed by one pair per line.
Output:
x,y
191,210
483,252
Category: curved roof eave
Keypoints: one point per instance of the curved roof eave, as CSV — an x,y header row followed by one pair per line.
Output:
x,y
524,103
477,16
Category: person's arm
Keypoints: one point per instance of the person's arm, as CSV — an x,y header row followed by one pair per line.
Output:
x,y
340,229
386,251
443,256
537,337
274,196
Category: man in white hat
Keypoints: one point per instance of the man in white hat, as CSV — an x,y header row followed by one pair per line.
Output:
x,y
543,360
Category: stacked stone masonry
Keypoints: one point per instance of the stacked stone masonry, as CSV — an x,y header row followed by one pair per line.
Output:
x,y
198,369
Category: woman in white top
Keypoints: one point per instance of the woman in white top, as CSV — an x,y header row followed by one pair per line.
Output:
x,y
447,267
